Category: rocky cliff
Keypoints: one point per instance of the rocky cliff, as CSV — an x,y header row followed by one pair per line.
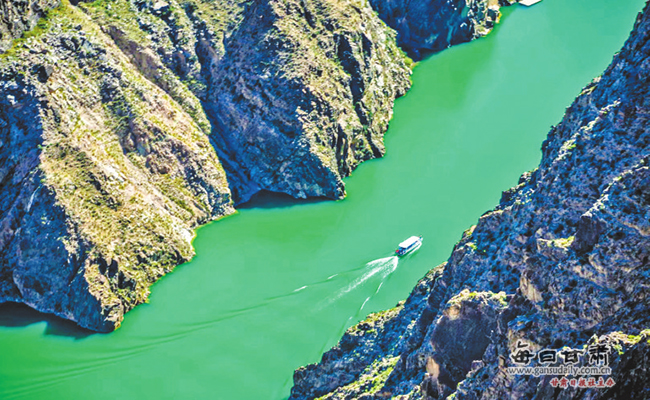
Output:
x,y
297,93
561,264
115,117
17,17
103,175
124,124
428,26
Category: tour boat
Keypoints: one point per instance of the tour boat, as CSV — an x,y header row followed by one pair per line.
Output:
x,y
529,3
409,245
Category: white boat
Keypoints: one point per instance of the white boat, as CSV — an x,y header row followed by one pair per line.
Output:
x,y
411,244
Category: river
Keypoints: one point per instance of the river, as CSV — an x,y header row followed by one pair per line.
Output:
x,y
274,286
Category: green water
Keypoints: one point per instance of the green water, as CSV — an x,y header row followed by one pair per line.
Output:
x,y
276,285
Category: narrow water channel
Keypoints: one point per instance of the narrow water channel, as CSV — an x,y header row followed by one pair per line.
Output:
x,y
277,284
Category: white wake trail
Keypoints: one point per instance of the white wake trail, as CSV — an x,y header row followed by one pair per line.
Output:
x,y
383,267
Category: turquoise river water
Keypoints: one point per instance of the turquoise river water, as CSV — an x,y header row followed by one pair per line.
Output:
x,y
276,285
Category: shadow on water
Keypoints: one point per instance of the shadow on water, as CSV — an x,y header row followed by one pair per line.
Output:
x,y
265,199
16,315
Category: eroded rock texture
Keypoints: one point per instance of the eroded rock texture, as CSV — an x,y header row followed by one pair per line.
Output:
x,y
20,16
428,26
303,95
562,261
104,177
298,92
124,124
117,119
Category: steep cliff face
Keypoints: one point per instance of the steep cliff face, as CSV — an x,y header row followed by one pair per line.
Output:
x,y
124,124
561,263
115,116
307,98
298,92
428,26
104,176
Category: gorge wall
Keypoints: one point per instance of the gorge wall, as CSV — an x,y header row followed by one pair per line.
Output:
x,y
125,124
421,32
561,263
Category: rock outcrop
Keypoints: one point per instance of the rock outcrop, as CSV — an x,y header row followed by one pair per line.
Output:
x,y
124,124
568,252
428,26
113,116
307,98
297,93
17,17
103,176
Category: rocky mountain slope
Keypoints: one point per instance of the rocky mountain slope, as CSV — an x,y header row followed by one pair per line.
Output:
x,y
103,176
124,124
17,17
562,263
421,32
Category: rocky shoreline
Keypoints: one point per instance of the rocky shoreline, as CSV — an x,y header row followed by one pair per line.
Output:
x,y
421,32
561,264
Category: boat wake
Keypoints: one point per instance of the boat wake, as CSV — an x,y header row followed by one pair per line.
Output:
x,y
382,268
